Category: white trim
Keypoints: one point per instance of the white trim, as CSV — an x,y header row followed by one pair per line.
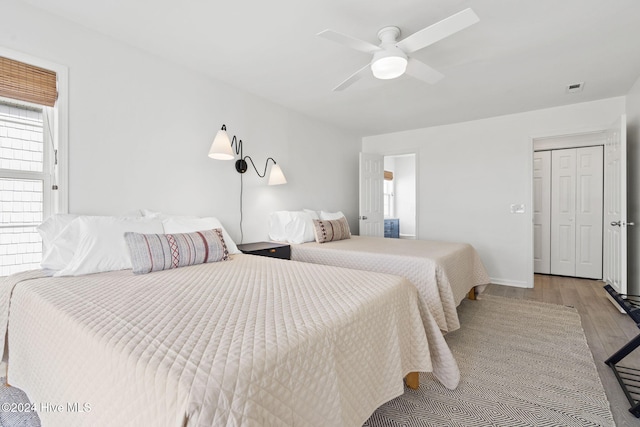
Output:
x,y
513,283
416,153
568,132
61,132
575,140
553,139
529,219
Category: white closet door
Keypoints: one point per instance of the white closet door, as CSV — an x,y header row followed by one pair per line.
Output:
x,y
563,209
542,212
589,190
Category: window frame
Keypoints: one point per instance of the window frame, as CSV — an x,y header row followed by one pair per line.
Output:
x,y
46,175
56,201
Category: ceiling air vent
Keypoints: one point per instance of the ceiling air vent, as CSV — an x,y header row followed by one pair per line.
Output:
x,y
575,87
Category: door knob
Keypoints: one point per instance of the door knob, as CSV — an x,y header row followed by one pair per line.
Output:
x,y
363,218
615,223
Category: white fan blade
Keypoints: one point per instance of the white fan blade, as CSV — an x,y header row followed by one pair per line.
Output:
x,y
422,71
438,31
349,41
352,78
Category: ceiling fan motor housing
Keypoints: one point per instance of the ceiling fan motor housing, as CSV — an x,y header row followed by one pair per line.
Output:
x,y
389,62
388,35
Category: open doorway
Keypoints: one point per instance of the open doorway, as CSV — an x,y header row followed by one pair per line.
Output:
x,y
400,196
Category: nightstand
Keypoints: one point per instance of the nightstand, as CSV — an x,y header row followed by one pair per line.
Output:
x,y
392,228
269,249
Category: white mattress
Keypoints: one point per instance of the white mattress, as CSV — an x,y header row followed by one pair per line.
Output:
x,y
443,272
250,341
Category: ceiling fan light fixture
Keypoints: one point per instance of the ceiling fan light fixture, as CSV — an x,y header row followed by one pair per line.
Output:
x,y
388,65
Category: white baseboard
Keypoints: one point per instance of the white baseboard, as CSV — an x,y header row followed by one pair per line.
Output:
x,y
615,303
514,283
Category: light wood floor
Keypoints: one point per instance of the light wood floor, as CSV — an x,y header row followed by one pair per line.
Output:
x,y
605,327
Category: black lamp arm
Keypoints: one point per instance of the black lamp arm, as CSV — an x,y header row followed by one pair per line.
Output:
x,y
236,141
241,165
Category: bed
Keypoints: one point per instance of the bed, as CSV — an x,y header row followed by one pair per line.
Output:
x,y
246,341
443,272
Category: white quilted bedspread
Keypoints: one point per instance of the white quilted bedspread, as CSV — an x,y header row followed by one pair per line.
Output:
x,y
252,341
443,272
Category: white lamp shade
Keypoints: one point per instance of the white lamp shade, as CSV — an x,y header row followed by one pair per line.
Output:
x,y
221,147
276,177
387,65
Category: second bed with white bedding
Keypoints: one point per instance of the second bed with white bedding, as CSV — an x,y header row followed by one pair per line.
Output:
x,y
443,272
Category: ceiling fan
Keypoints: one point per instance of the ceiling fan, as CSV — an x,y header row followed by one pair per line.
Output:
x,y
391,58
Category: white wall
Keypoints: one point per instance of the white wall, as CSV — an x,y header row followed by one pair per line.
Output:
x,y
633,186
470,173
140,129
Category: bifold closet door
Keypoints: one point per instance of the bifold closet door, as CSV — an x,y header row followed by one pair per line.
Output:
x,y
576,212
542,212
563,212
589,212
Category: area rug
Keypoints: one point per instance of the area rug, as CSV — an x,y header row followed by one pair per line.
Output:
x,y
522,363
15,409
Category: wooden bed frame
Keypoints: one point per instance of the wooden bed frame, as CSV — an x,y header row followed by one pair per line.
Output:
x,y
412,380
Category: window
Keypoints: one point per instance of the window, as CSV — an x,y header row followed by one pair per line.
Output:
x,y
32,128
388,199
24,176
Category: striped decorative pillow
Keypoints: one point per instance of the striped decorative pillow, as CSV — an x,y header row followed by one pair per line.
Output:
x,y
331,230
154,252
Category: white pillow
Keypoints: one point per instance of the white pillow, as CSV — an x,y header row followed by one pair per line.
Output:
x,y
51,228
58,248
100,244
291,226
185,224
277,223
60,251
330,215
300,229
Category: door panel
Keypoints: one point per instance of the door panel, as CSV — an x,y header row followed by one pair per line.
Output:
x,y
563,205
583,245
589,170
371,195
542,212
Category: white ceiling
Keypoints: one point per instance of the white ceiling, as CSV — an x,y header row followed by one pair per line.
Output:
x,y
519,57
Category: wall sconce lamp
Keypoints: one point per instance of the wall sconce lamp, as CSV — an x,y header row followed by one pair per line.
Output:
x,y
222,149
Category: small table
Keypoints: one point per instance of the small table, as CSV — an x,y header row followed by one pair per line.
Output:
x,y
268,249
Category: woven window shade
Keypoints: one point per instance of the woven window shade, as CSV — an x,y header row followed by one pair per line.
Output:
x,y
27,83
